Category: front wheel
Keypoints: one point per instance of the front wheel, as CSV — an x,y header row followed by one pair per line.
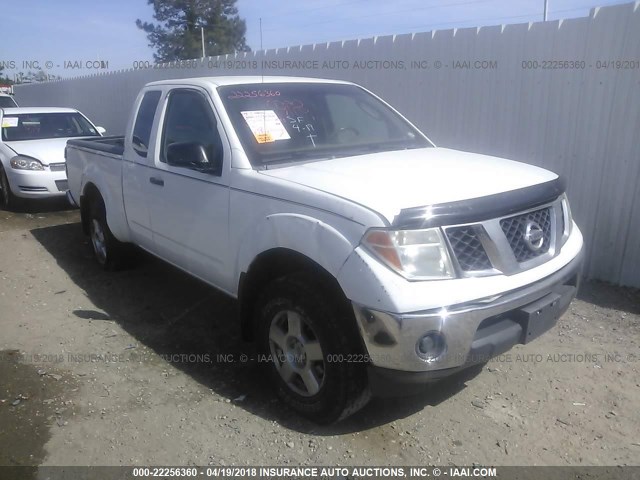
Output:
x,y
309,339
7,198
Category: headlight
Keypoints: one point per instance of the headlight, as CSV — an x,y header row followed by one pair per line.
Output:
x,y
566,217
25,163
414,254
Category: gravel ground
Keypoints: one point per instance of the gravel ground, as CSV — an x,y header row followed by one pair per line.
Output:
x,y
134,368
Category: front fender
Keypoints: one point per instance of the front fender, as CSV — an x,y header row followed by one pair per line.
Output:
x,y
306,235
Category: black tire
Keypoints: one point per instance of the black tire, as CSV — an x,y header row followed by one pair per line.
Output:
x,y
108,251
325,321
7,199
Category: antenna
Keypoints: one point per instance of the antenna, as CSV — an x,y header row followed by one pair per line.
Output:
x,y
262,50
202,37
264,113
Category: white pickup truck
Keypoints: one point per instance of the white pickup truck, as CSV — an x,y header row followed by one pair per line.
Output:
x,y
364,259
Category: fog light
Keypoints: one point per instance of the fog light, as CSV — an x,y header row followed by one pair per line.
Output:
x,y
431,346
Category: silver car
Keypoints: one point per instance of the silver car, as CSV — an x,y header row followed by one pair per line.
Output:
x,y
32,144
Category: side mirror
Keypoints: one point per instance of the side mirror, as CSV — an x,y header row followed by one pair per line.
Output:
x,y
192,155
101,130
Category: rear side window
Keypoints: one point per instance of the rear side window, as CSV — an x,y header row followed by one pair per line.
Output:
x,y
144,122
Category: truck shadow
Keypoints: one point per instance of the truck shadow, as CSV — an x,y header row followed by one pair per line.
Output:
x,y
179,320
46,205
606,295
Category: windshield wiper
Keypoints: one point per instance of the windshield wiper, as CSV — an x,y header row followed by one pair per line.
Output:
x,y
302,154
401,144
329,153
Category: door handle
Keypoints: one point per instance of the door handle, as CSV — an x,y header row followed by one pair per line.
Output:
x,y
157,181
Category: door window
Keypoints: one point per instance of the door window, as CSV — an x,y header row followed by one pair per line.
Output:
x,y
189,119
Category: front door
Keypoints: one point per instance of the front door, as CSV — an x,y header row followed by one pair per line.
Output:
x,y
189,208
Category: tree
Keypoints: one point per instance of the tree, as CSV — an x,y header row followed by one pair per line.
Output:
x,y
4,80
177,35
36,77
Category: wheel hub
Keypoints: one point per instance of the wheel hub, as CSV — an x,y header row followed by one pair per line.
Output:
x,y
296,352
98,240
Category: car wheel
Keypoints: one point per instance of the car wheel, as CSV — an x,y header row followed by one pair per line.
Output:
x,y
7,198
309,340
107,250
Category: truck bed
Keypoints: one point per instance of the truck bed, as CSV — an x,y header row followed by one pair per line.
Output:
x,y
102,155
113,145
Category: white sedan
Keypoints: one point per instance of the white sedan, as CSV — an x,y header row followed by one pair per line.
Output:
x,y
32,144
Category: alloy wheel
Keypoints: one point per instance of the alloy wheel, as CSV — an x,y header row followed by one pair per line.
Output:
x,y
297,353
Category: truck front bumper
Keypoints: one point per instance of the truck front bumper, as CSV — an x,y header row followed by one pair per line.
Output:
x,y
468,333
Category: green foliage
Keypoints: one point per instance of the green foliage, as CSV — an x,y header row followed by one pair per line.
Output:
x,y
4,80
35,77
177,35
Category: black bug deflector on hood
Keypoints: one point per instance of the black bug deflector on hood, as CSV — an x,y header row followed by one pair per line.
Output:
x,y
482,208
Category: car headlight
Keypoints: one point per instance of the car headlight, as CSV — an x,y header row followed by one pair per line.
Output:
x,y
414,254
25,163
566,217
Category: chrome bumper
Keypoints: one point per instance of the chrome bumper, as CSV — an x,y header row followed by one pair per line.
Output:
x,y
474,331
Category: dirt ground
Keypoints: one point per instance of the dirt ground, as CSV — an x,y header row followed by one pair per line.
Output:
x,y
136,368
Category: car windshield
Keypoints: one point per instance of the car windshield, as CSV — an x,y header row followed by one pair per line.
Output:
x,y
293,122
38,126
7,102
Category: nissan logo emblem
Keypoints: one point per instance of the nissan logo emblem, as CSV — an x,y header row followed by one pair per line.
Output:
x,y
533,236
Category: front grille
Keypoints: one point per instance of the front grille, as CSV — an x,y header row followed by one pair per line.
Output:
x,y
515,229
57,167
468,249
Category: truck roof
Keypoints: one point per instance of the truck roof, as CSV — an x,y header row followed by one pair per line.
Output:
x,y
27,110
240,80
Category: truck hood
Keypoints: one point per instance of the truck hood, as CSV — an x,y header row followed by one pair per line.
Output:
x,y
49,150
388,182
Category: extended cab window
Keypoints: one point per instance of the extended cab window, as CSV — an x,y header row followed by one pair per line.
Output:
x,y
189,119
293,122
144,122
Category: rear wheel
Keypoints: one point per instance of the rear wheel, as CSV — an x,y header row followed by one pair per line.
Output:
x,y
7,198
107,250
309,339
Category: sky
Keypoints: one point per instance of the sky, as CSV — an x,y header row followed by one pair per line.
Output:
x,y
75,37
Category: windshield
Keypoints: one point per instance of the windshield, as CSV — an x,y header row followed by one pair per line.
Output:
x,y
7,102
38,126
290,122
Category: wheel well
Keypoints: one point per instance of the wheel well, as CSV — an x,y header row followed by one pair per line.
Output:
x,y
90,193
268,266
